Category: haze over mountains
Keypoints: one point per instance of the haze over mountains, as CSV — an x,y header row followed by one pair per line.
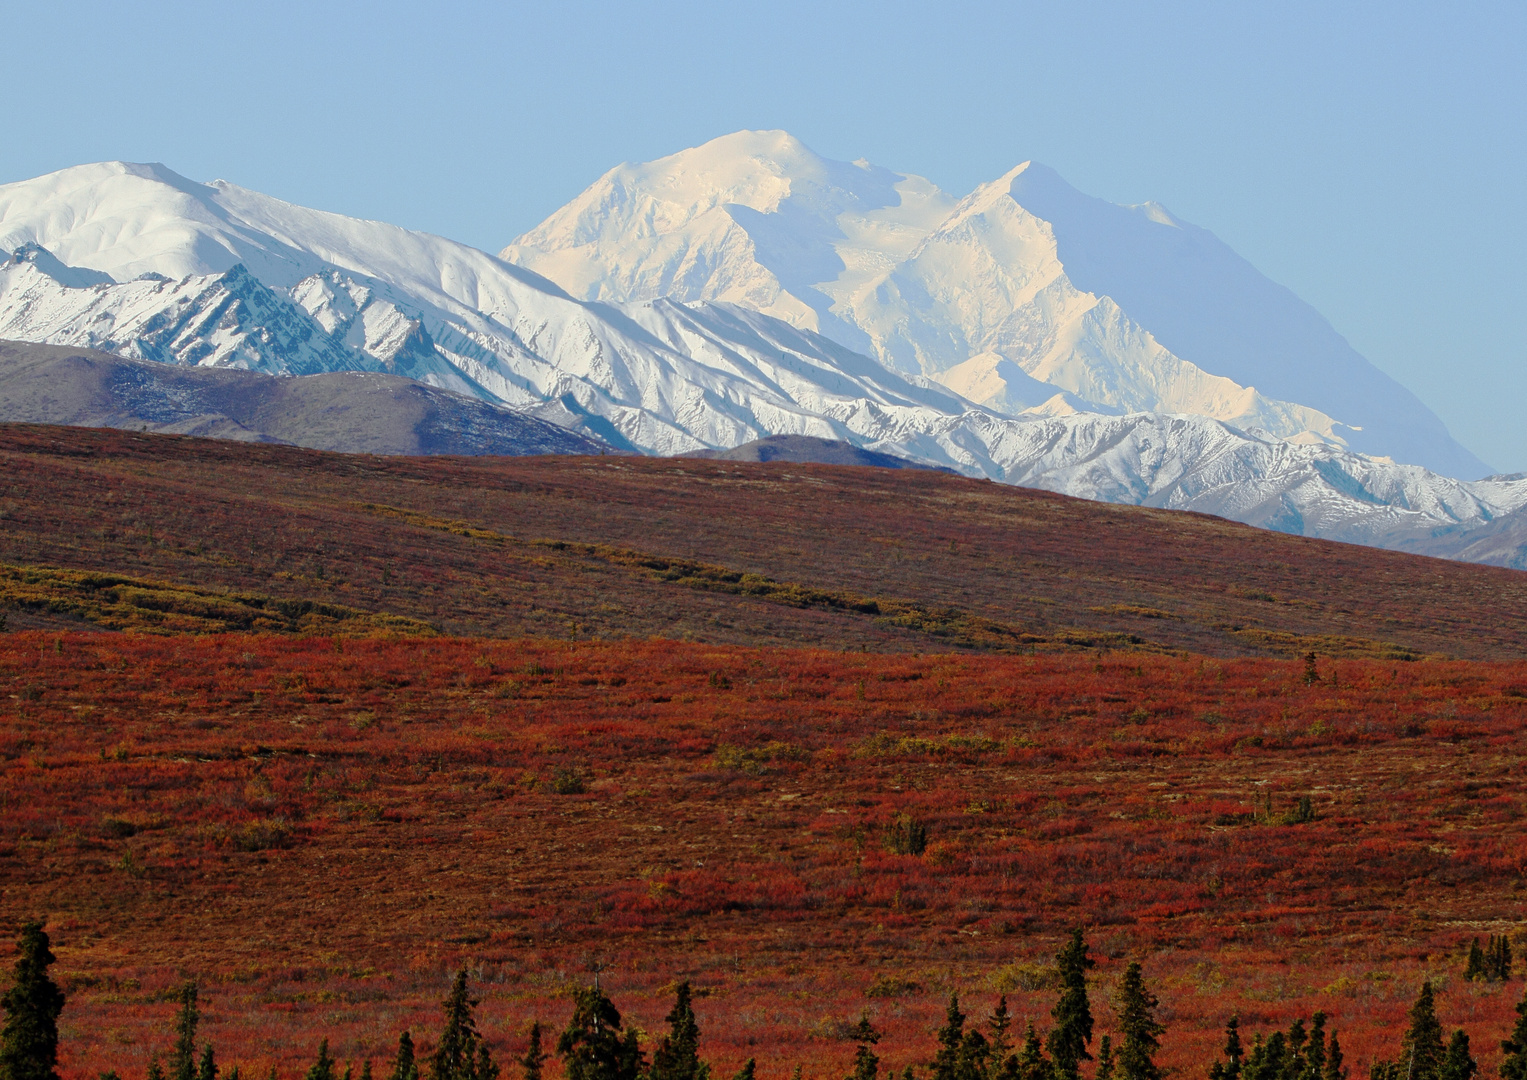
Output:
x,y
749,288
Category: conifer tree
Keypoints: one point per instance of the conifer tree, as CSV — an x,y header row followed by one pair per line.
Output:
x,y
1315,1050
1297,1038
1032,1064
1230,1068
365,1071
1000,1022
460,1053
535,1057
1267,1060
29,1038
746,1072
156,1071
1475,968
1072,1033
866,1064
323,1068
592,1047
1513,1064
183,1058
677,1055
1004,1062
207,1069
404,1067
951,1039
1105,1059
1422,1049
1459,1064
1138,1028
1334,1069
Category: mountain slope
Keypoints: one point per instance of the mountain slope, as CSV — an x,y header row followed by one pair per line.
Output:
x,y
1125,307
280,289
352,412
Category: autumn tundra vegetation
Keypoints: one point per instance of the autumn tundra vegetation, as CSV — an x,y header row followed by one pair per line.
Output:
x,y
856,774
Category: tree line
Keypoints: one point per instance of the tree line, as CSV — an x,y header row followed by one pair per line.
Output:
x,y
597,1045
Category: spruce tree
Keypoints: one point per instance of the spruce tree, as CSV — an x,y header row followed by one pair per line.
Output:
x,y
1072,1032
1297,1038
1032,1064
535,1057
1459,1064
365,1071
1513,1064
1000,1022
183,1057
866,1064
1267,1060
457,1053
1334,1069
592,1047
1315,1051
156,1071
1475,968
404,1067
1138,1028
29,1039
1230,1068
1422,1050
677,1054
323,1068
207,1069
951,1039
747,1071
1105,1059
1004,1062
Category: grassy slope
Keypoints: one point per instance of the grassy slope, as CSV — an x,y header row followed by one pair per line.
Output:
x,y
965,556
321,830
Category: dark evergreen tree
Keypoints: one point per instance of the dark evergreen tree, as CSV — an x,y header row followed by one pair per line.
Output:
x,y
1513,1064
156,1071
592,1047
1230,1067
1315,1050
747,1071
1138,1028
365,1071
323,1068
1072,1033
951,1040
535,1057
866,1064
1334,1069
1105,1059
1459,1064
1032,1063
1267,1060
183,1057
29,1039
677,1054
1422,1050
461,1053
233,1074
404,1067
207,1068
1297,1037
1475,968
1003,1061
1000,1045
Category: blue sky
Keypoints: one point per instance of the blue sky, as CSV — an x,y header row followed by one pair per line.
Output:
x,y
1372,157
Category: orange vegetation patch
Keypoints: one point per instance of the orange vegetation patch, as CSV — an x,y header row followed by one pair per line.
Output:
x,y
320,830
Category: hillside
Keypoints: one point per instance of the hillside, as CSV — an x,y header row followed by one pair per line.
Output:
x,y
352,412
725,552
322,830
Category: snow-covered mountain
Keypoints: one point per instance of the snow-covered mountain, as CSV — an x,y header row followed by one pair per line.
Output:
x,y
137,260
1020,289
